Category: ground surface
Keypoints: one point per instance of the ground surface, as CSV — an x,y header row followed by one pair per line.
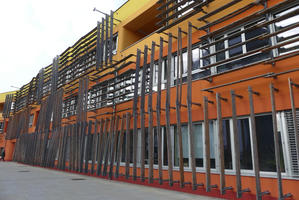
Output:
x,y
22,182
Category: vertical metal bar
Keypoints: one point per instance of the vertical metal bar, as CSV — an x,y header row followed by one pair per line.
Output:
x,y
207,144
135,115
99,144
254,144
94,146
111,37
142,113
108,145
102,43
236,147
189,104
88,147
276,142
167,109
221,146
98,48
178,105
100,147
158,112
296,131
106,38
114,145
103,146
150,117
128,144
120,146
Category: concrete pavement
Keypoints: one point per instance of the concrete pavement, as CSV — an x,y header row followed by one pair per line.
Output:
x,y
22,182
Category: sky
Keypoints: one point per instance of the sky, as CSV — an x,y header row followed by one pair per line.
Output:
x,y
33,32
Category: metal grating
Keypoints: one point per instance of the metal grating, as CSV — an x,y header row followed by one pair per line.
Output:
x,y
292,142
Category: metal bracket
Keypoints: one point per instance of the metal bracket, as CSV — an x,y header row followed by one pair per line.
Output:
x,y
239,96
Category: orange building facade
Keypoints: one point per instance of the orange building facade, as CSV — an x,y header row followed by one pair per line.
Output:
x,y
194,96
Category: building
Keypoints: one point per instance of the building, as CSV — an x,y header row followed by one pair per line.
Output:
x,y
3,122
198,96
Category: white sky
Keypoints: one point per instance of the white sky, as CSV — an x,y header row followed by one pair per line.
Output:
x,y
33,32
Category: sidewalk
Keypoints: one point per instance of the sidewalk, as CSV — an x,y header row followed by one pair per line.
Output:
x,y
22,182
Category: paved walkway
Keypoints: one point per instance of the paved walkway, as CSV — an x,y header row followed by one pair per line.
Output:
x,y
22,182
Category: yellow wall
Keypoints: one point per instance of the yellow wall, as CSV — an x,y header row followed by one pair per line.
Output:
x,y
3,95
129,8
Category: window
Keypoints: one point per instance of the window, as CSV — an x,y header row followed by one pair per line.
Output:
x,y
1,127
31,120
69,106
265,140
290,33
183,6
243,40
245,143
198,61
212,145
115,43
198,144
228,164
155,146
185,142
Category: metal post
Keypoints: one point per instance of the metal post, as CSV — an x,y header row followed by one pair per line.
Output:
x,y
189,105
150,118
158,112
128,144
167,109
142,113
135,115
281,196
236,146
178,105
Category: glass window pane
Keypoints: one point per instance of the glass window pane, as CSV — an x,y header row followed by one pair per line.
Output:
x,y
234,41
185,62
228,164
212,145
256,43
165,154
155,146
265,141
205,52
198,144
220,46
290,34
185,143
123,153
146,147
245,143
195,58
